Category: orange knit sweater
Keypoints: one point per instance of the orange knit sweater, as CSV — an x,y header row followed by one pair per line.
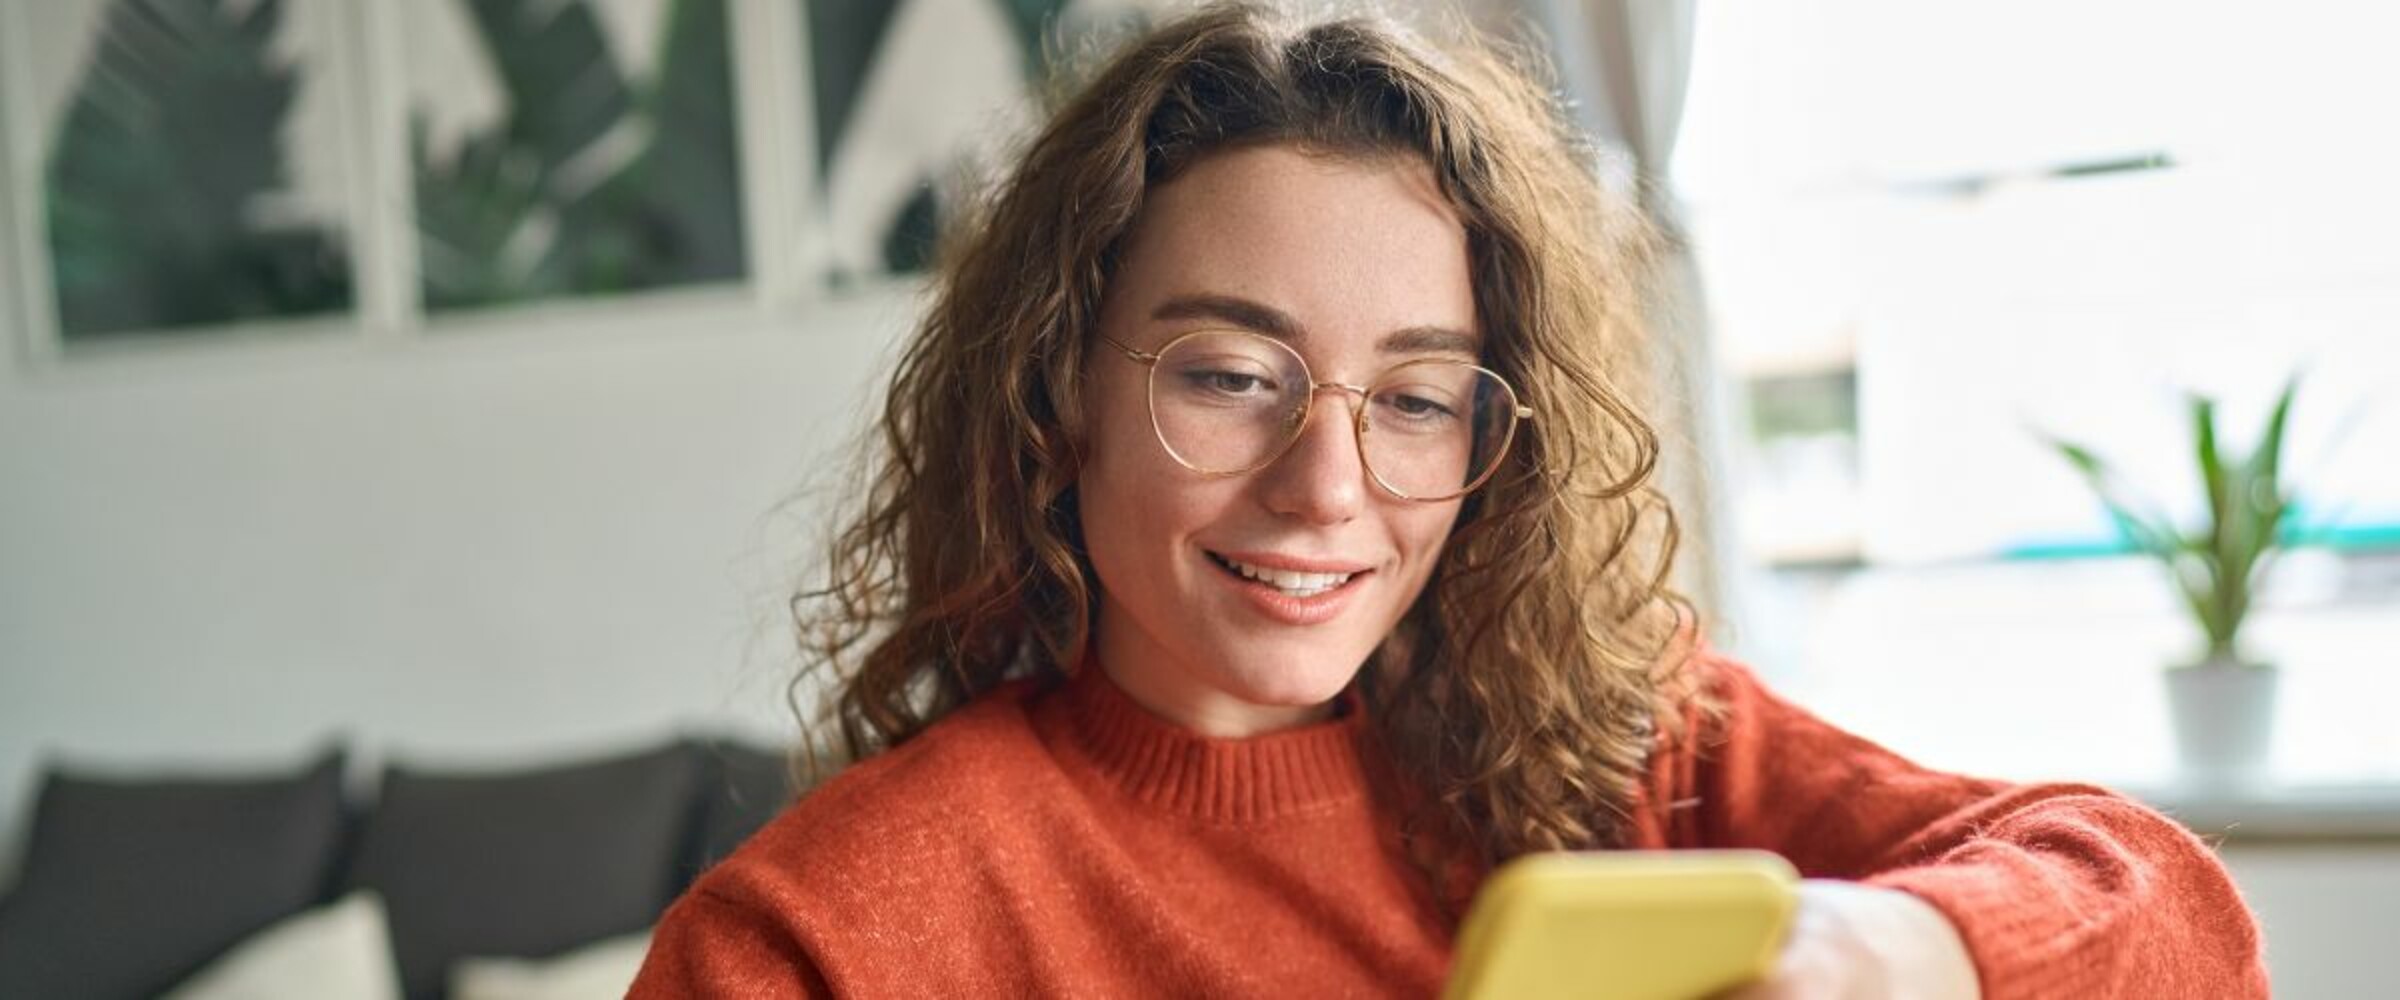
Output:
x,y
1068,842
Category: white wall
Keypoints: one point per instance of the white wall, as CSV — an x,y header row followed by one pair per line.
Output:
x,y
2329,915
531,538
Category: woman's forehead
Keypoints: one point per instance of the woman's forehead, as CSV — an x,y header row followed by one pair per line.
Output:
x,y
1326,243
1252,316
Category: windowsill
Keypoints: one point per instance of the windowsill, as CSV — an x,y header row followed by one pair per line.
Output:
x,y
2054,672
2282,813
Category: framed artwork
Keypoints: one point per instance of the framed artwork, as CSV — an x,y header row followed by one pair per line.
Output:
x,y
191,164
571,148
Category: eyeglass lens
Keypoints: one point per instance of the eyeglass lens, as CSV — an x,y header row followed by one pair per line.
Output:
x,y
1227,402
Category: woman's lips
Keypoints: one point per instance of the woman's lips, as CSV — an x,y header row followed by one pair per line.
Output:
x,y
1297,564
1289,608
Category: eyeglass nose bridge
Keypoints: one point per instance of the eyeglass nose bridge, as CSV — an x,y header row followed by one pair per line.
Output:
x,y
1359,409
1296,423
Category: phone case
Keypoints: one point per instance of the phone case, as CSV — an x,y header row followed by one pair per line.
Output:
x,y
1624,925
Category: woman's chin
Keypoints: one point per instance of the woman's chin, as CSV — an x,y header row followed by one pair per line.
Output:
x,y
1292,687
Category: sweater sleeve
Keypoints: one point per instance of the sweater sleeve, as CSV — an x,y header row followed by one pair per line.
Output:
x,y
710,946
2057,890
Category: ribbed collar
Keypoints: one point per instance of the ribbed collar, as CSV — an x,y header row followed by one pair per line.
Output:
x,y
1224,780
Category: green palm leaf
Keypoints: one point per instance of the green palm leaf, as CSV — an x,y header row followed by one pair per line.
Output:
x,y
676,211
168,156
2218,570
589,185
492,214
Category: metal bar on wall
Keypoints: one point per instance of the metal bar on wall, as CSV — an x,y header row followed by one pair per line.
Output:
x,y
771,87
12,331
390,304
29,309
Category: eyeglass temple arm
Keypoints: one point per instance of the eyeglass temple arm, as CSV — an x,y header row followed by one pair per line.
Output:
x,y
1139,356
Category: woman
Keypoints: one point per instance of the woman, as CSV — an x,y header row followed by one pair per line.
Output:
x,y
1259,550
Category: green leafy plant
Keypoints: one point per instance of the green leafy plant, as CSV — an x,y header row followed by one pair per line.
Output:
x,y
2219,568
592,183
846,39
163,187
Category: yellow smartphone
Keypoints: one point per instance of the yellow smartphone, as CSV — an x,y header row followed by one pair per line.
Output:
x,y
1624,925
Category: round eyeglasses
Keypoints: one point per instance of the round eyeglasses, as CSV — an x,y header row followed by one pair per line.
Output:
x,y
1226,402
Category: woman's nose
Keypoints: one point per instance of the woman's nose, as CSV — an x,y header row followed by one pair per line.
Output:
x,y
1321,479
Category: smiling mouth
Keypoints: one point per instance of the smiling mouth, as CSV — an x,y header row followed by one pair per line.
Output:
x,y
1290,583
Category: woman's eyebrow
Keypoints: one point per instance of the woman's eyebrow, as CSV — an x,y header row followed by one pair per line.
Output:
x,y
1256,317
1259,317
1429,340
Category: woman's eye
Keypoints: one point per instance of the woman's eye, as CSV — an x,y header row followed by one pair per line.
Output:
x,y
1228,383
1416,407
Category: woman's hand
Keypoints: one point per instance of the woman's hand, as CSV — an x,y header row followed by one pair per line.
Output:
x,y
1857,942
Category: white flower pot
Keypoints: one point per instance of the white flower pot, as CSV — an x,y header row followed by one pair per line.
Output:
x,y
2223,712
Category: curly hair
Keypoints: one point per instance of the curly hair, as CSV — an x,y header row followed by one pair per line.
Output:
x,y
1520,696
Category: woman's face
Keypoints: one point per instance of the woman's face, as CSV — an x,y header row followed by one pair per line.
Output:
x,y
1357,264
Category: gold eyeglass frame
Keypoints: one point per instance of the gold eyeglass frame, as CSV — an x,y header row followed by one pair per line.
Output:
x,y
1517,410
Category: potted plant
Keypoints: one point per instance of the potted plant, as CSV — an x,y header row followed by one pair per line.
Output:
x,y
2222,703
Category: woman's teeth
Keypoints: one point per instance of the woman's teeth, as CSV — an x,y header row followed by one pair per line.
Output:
x,y
1290,582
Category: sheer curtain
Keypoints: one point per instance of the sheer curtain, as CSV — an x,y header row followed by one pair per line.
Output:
x,y
1626,65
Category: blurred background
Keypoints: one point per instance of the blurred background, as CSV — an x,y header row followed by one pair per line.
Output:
x,y
460,383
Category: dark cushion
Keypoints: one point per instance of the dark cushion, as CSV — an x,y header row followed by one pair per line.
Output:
x,y
742,787
524,864
129,886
